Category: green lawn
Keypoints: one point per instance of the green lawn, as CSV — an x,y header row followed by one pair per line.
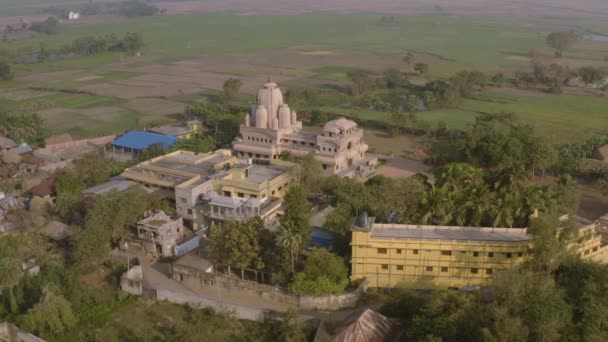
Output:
x,y
561,117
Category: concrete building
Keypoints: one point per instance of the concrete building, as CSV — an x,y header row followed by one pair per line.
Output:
x,y
592,241
160,233
389,255
213,187
273,128
433,256
179,131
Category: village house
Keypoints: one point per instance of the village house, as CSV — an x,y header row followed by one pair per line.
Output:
x,y
6,144
272,128
160,233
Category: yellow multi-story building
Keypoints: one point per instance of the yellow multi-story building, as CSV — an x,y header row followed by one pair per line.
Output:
x,y
391,255
213,187
590,243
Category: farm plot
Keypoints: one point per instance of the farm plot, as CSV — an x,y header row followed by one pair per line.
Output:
x,y
23,94
155,107
89,121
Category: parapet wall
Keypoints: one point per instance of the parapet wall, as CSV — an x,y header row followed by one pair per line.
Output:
x,y
85,143
197,301
195,278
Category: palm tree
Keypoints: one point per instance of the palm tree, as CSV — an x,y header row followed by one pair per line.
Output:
x,y
10,273
292,242
437,207
479,203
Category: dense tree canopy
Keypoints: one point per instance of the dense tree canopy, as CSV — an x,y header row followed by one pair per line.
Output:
x,y
231,87
224,120
6,72
561,40
242,244
51,316
323,273
591,75
48,26
24,127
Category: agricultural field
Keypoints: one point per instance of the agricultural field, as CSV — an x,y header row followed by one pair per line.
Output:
x,y
188,57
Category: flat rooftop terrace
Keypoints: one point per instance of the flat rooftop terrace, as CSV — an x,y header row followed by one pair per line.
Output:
x,y
421,232
262,173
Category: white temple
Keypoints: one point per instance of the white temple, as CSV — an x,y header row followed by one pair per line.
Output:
x,y
273,128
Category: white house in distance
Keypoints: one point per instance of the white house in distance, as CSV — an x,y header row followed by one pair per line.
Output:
x,y
73,15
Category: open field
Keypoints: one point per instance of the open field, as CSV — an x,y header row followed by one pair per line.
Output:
x,y
478,42
563,118
188,56
535,8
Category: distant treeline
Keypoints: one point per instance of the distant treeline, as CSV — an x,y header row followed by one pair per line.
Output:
x,y
130,43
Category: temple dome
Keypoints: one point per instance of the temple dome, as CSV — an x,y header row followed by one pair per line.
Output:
x,y
284,116
271,97
261,117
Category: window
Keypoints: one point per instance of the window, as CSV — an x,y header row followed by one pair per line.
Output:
x,y
189,211
399,267
474,270
183,200
227,193
444,269
381,250
324,166
385,267
489,271
253,196
490,254
429,268
398,250
508,255
446,253
475,254
594,249
415,251
520,254
240,194
587,252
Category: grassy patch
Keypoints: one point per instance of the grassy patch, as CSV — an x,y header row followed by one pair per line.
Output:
x,y
563,118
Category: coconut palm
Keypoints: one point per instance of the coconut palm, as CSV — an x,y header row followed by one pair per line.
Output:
x,y
480,201
291,241
10,273
436,206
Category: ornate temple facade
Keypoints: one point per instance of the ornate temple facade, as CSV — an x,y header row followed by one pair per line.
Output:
x,y
273,128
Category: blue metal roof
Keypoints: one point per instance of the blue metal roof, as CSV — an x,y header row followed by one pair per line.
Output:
x,y
138,140
321,237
